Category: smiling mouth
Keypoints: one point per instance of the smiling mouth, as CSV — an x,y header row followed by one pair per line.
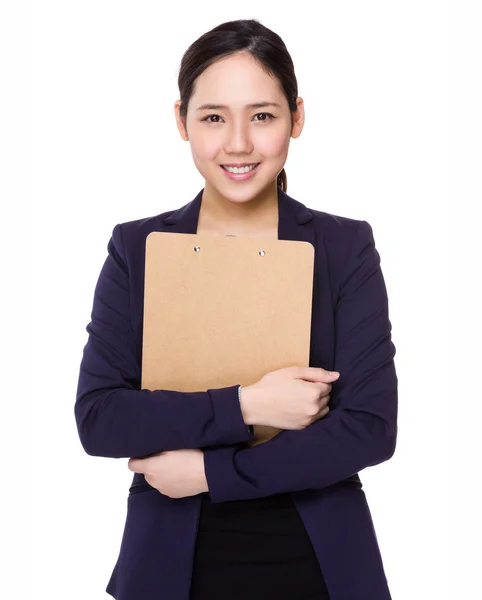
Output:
x,y
244,169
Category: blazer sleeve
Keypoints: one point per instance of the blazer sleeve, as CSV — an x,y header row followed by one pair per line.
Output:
x,y
117,419
359,431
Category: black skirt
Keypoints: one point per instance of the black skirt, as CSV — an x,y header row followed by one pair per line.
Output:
x,y
257,549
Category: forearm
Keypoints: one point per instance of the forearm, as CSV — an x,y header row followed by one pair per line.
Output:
x,y
251,401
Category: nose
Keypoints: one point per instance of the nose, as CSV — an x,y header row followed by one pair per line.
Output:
x,y
238,140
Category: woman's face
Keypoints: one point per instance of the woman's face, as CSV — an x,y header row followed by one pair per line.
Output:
x,y
234,132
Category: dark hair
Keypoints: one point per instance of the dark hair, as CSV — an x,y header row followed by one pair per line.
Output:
x,y
248,35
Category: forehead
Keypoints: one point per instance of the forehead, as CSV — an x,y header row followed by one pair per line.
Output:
x,y
236,80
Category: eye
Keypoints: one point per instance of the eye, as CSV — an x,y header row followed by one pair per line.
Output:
x,y
267,114
208,117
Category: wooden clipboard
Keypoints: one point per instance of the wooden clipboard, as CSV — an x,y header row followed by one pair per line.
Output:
x,y
224,310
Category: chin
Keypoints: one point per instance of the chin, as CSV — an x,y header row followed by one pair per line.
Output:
x,y
238,191
241,195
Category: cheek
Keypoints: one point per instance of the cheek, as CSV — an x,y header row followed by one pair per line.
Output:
x,y
204,151
273,142
203,147
273,146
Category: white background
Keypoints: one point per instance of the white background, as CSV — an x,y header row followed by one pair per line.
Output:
x,y
101,77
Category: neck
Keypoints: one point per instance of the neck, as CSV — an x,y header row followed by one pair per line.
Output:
x,y
238,218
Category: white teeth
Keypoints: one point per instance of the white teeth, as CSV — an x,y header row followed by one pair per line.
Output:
x,y
240,170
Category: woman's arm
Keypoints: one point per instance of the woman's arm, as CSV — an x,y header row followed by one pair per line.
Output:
x,y
361,428
114,417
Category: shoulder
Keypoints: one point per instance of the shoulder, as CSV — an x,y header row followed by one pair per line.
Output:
x,y
341,235
139,228
338,227
345,246
129,236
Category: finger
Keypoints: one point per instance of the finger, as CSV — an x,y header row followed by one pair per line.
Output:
x,y
317,374
322,412
324,400
136,465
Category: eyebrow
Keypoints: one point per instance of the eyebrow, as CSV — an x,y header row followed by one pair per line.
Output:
x,y
223,106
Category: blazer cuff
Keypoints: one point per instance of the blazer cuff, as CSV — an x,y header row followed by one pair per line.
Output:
x,y
228,415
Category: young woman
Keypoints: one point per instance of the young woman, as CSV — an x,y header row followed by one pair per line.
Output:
x,y
207,517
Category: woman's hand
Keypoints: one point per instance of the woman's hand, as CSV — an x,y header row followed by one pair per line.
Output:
x,y
288,398
174,473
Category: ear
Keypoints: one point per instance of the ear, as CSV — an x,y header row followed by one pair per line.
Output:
x,y
180,121
298,118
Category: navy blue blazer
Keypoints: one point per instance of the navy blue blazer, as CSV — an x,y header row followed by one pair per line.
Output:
x,y
318,466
